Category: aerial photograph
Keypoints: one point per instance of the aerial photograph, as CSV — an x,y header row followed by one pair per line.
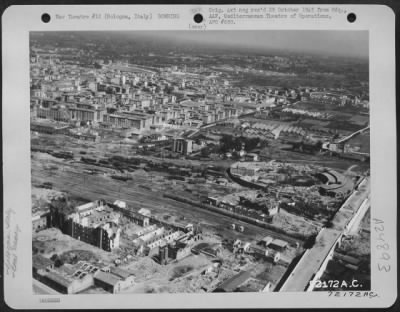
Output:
x,y
199,161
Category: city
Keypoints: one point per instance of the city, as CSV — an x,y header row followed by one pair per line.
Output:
x,y
163,165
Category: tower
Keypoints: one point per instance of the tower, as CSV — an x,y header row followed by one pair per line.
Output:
x,y
242,151
163,254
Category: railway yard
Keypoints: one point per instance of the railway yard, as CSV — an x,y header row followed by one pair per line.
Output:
x,y
143,188
82,182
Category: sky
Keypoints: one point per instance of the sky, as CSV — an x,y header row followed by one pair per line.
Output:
x,y
329,42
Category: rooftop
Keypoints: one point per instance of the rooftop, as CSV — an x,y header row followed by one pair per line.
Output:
x,y
267,239
58,278
107,278
81,109
120,272
85,206
49,124
234,282
279,242
97,213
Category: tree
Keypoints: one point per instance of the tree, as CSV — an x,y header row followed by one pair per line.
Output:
x,y
168,89
309,243
58,263
205,152
329,224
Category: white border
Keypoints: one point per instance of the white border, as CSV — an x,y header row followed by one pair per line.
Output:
x,y
17,21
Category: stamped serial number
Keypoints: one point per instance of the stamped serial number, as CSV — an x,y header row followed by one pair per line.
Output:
x,y
48,300
336,284
359,294
382,246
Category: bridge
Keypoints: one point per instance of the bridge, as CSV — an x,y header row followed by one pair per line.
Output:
x,y
314,261
353,135
354,224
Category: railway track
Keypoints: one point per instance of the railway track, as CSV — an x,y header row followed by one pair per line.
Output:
x,y
93,186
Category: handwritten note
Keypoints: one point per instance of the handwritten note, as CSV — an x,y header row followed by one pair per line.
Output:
x,y
11,237
382,246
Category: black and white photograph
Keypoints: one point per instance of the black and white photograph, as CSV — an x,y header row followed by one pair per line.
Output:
x,y
199,156
176,162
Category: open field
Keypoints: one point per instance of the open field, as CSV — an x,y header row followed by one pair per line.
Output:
x,y
346,112
275,151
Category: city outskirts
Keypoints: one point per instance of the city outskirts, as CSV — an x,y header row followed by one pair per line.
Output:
x,y
198,162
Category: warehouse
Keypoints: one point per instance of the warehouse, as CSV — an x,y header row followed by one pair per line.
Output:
x,y
233,283
114,280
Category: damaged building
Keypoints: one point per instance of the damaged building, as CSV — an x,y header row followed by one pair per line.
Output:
x,y
94,223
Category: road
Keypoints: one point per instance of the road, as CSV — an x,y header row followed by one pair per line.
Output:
x,y
353,134
353,226
311,261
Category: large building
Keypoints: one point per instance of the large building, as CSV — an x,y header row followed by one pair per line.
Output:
x,y
75,278
83,114
67,112
95,223
246,169
67,279
231,284
114,279
335,184
244,282
57,113
183,146
124,121
49,127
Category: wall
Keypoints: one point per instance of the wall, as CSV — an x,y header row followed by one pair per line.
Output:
x,y
105,286
56,286
39,224
93,236
123,284
82,284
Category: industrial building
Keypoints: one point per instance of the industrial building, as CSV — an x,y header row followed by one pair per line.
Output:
x,y
94,223
49,127
114,279
335,184
233,283
183,146
72,279
67,279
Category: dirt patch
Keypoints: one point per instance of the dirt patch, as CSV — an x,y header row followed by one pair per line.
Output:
x,y
41,197
73,256
294,224
52,241
180,271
